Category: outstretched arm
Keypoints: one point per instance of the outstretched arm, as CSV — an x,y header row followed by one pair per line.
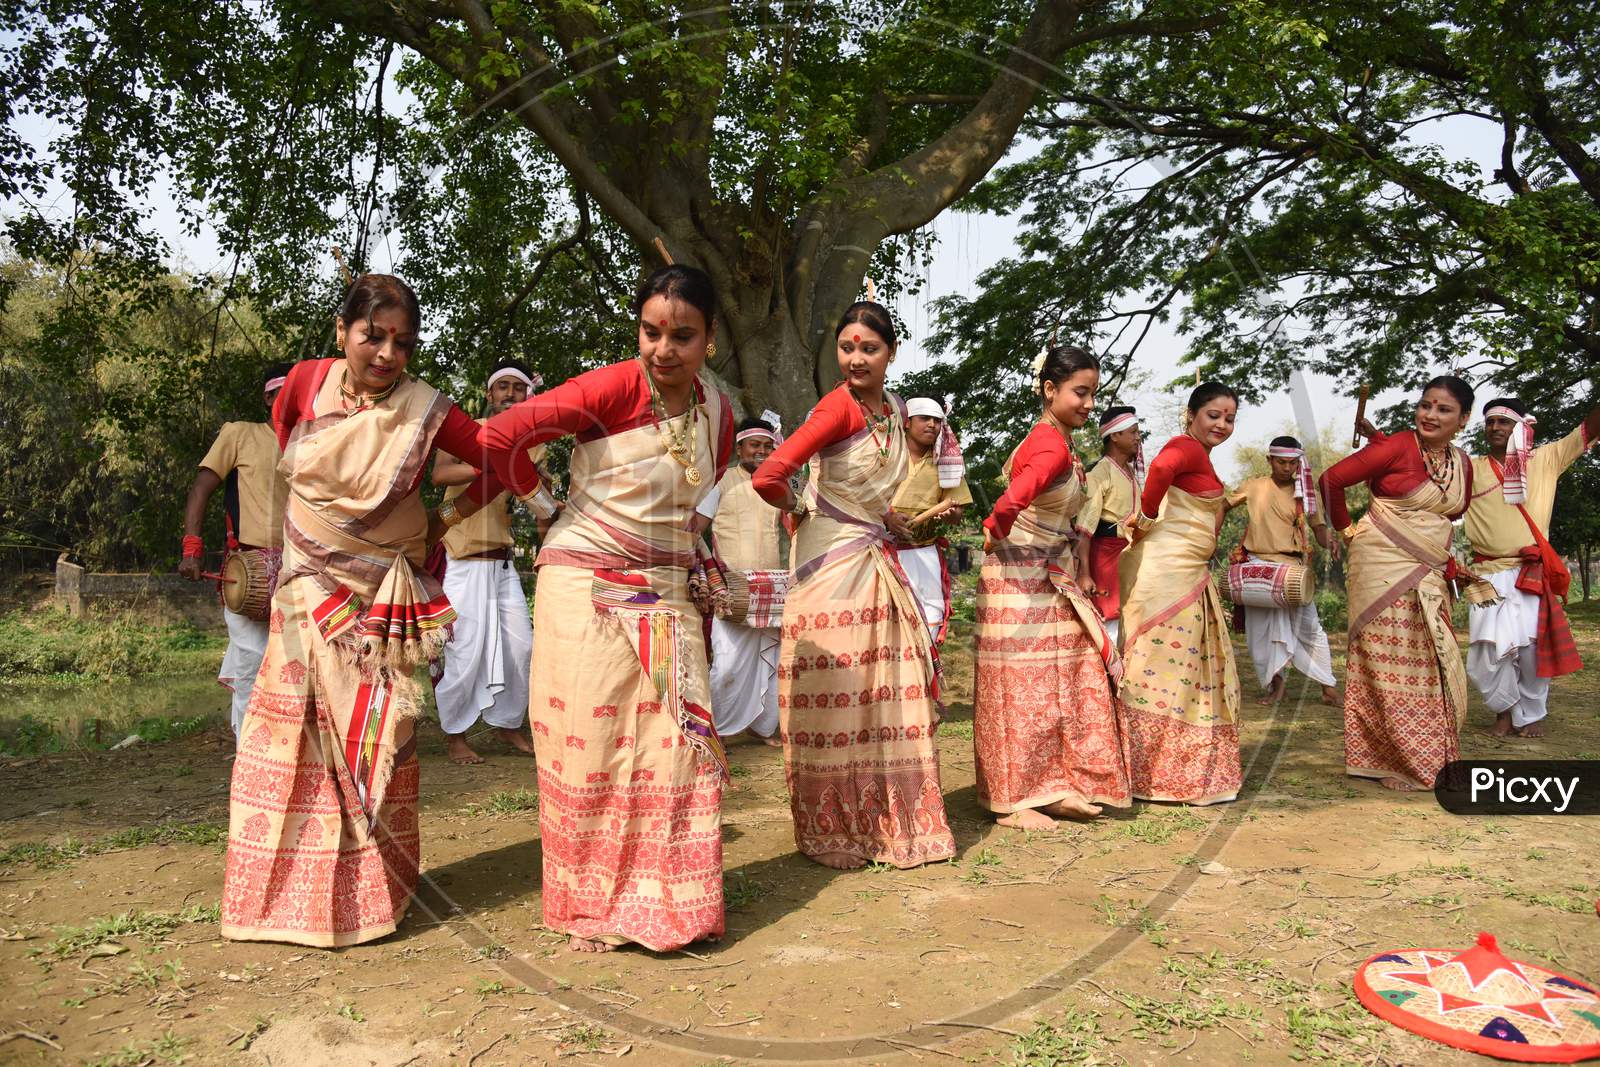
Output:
x,y
830,422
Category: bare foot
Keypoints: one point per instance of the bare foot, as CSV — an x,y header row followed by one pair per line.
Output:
x,y
1399,785
1072,809
1533,729
1274,692
1027,819
516,739
589,944
773,741
457,751
1502,725
1331,697
839,861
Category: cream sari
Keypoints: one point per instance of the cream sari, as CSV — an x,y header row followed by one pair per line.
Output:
x,y
1180,689
1405,684
1045,724
630,770
322,837
858,674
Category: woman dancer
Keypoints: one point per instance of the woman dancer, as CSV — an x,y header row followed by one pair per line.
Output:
x,y
1405,693
1180,689
322,835
1045,729
630,768
857,674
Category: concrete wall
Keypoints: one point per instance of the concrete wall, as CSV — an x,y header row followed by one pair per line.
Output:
x,y
165,597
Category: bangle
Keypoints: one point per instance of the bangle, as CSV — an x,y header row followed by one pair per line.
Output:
x,y
1348,533
541,502
1139,521
193,547
448,513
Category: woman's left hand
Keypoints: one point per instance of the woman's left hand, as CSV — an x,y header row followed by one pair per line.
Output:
x,y
988,541
899,526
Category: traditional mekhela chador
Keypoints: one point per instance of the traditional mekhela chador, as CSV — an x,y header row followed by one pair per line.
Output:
x,y
1521,640
486,662
930,498
1179,696
1112,493
1405,694
858,677
1045,727
1283,508
243,462
322,836
630,766
748,537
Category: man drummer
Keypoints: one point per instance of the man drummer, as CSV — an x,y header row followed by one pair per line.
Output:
x,y
747,535
244,461
1115,482
487,659
1522,640
933,493
1281,506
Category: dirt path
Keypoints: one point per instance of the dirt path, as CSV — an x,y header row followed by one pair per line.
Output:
x,y
1210,936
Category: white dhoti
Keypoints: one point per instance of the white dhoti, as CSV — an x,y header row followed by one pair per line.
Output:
x,y
1279,637
247,644
925,570
744,678
486,661
1503,660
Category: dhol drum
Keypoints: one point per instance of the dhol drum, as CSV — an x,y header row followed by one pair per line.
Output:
x,y
755,598
1258,583
248,579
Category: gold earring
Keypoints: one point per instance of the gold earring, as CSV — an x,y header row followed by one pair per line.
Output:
x,y
711,350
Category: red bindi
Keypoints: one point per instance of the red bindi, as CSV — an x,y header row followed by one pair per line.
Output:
x,y
856,338
663,324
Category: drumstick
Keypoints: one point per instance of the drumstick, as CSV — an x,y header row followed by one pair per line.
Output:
x,y
216,577
1361,413
338,257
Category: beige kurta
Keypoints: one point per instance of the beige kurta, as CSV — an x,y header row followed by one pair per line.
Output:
x,y
1108,495
747,529
250,451
1496,529
920,490
1278,523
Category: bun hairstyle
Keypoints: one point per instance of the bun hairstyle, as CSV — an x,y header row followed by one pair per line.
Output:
x,y
679,282
1285,442
1456,387
871,314
1206,392
1507,402
1061,362
372,293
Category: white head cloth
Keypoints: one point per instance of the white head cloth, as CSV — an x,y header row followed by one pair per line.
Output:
x,y
1304,491
1519,452
923,405
534,383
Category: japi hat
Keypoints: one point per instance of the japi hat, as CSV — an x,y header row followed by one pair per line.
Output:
x,y
1484,1002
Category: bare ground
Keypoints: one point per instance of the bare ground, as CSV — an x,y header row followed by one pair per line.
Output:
x,y
1204,936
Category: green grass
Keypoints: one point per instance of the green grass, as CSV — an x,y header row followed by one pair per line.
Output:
x,y
507,802
961,729
739,891
1156,826
1072,1040
168,1048
110,646
143,925
45,855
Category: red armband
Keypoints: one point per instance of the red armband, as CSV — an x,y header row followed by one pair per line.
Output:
x,y
193,547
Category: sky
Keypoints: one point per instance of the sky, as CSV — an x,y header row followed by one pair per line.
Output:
x,y
967,244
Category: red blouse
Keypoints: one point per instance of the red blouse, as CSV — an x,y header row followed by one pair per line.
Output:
x,y
836,417
1392,467
1039,462
1183,462
458,434
595,404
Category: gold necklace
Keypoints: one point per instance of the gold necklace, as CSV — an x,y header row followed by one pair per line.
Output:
x,y
1440,469
680,444
363,400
